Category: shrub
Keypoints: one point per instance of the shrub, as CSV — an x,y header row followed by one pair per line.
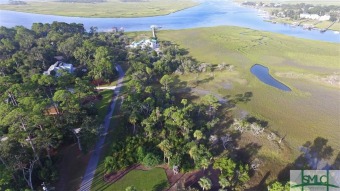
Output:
x,y
151,160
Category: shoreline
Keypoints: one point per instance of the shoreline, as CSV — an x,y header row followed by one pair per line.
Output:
x,y
266,16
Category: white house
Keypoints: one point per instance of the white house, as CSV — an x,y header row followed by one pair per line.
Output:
x,y
3,139
309,16
325,18
315,17
59,65
145,43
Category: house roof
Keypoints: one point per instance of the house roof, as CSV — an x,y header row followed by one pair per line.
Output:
x,y
59,58
3,139
59,65
52,110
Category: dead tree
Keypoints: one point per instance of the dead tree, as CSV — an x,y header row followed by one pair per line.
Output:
x,y
225,140
27,172
271,137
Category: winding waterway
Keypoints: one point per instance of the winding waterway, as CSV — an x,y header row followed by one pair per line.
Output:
x,y
207,14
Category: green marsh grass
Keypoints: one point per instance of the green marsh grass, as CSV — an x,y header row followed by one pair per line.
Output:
x,y
109,8
312,109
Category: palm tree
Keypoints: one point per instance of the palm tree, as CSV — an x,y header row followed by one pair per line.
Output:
x,y
205,183
223,182
165,146
133,120
194,152
198,135
205,163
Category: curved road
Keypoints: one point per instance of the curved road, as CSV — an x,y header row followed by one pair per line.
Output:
x,y
93,162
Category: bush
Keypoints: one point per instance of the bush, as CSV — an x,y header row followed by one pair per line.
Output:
x,y
151,160
48,172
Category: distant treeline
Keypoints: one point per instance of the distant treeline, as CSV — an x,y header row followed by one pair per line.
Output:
x,y
13,2
133,0
83,1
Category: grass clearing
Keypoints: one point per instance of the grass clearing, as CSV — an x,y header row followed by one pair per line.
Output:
x,y
312,109
154,179
103,104
109,8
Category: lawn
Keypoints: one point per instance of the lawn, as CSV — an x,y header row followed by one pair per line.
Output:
x,y
151,180
109,8
103,104
324,24
309,111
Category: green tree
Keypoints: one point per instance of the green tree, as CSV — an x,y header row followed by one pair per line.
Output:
x,y
110,164
166,147
224,183
205,163
242,177
236,174
133,118
200,155
277,186
212,104
5,177
198,135
151,160
102,67
205,183
25,37
166,80
68,46
226,166
85,53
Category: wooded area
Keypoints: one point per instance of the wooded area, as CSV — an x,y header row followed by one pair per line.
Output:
x,y
40,113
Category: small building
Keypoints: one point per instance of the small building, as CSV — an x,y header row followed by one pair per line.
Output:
x,y
315,17
2,139
309,16
114,29
277,5
325,18
52,110
59,58
145,43
59,65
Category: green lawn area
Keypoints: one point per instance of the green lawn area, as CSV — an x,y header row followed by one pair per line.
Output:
x,y
109,8
325,24
151,180
309,111
103,104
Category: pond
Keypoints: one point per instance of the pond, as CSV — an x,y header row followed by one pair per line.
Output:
x,y
207,14
262,73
